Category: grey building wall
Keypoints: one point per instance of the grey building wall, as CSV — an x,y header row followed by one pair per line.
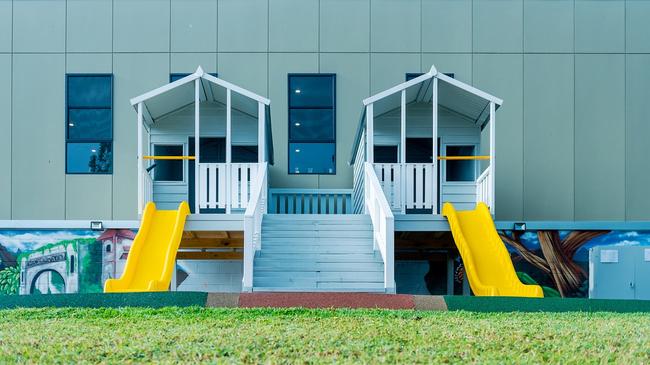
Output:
x,y
574,74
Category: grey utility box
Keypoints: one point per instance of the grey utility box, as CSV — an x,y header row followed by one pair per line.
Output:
x,y
619,272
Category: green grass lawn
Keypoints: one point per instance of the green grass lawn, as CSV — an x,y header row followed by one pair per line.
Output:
x,y
319,336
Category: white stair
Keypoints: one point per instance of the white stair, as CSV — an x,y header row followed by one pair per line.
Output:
x,y
303,252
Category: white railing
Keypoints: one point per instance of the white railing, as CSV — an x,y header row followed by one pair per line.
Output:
x,y
222,185
484,188
357,185
147,188
383,223
255,211
310,201
418,180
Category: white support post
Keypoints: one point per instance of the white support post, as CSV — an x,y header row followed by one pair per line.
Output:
x,y
140,162
261,131
434,144
228,151
402,153
197,143
492,155
370,156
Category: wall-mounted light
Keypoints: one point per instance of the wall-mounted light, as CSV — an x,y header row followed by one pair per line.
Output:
x,y
520,226
96,226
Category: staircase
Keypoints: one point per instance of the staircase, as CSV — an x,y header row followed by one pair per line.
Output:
x,y
318,252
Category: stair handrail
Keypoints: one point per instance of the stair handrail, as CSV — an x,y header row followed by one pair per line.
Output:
x,y
253,225
383,224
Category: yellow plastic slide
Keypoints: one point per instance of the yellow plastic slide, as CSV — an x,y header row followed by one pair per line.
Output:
x,y
487,262
151,258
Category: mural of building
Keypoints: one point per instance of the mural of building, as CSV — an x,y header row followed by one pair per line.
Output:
x,y
115,249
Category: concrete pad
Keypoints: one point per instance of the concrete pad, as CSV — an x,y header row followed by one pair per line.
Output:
x,y
222,300
430,302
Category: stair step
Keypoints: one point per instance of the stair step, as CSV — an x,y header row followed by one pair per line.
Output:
x,y
312,289
315,227
298,241
282,265
328,276
315,248
317,217
313,233
321,257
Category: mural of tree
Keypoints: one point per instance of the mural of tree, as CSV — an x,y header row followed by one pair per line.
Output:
x,y
557,260
10,280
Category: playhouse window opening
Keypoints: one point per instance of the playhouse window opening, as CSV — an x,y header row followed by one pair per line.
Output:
x,y
168,170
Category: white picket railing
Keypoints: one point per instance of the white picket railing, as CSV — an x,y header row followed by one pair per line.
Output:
x,y
310,201
484,188
383,223
357,184
418,179
257,207
147,187
222,184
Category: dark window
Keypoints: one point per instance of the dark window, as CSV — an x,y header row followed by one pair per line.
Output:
x,y
177,76
312,124
460,170
242,154
89,124
108,248
419,150
168,170
71,264
412,75
385,154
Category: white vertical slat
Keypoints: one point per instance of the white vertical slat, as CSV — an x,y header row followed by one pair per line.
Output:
x,y
228,144
213,171
434,144
140,161
398,195
235,185
203,186
370,155
222,185
409,186
243,197
493,170
419,189
252,183
197,144
427,186
402,159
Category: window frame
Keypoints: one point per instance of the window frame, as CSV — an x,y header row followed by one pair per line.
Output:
x,y
184,161
443,166
89,140
315,141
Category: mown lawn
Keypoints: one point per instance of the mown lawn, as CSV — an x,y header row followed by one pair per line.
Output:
x,y
191,335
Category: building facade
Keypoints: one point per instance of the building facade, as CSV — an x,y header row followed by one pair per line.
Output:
x,y
574,77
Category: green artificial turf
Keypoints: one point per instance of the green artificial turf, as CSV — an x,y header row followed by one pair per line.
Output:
x,y
193,334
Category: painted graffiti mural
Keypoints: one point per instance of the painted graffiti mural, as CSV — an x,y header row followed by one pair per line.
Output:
x,y
65,261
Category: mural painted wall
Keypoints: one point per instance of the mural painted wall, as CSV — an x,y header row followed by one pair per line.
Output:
x,y
65,261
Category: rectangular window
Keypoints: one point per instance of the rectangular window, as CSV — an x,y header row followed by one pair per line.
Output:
x,y
89,124
168,170
177,76
312,124
460,170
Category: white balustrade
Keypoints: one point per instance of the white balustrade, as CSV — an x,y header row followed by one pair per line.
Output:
x,y
310,201
418,178
383,223
256,208
484,188
221,184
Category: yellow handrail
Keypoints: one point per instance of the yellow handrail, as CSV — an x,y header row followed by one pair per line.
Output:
x,y
463,157
169,157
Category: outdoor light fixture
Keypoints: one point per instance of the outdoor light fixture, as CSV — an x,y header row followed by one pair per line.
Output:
x,y
96,226
519,226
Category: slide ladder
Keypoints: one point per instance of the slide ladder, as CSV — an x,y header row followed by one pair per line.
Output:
x,y
152,256
488,265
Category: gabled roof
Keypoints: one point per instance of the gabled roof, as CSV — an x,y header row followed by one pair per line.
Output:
x,y
179,94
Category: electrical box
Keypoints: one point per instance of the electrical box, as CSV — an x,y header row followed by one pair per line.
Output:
x,y
619,272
